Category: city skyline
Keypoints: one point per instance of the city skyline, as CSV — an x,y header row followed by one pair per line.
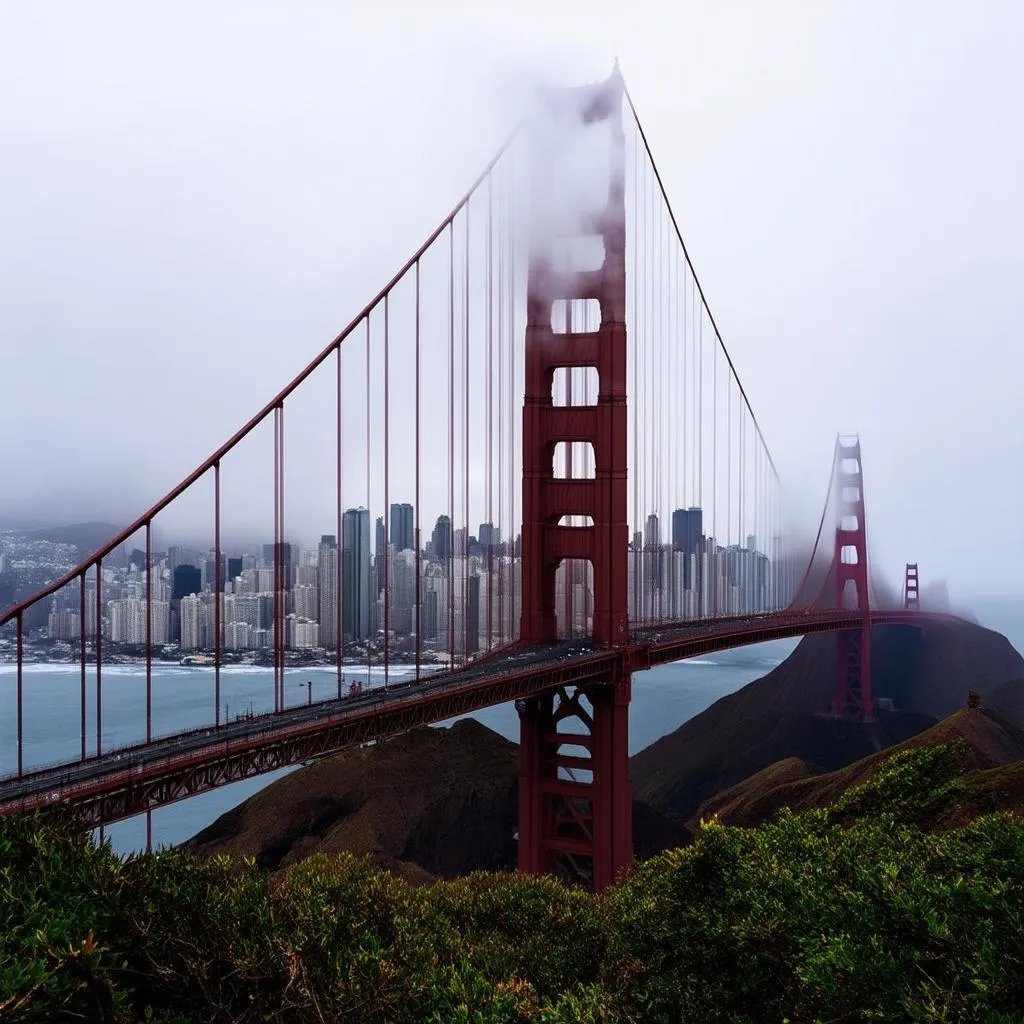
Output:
x,y
683,574
872,327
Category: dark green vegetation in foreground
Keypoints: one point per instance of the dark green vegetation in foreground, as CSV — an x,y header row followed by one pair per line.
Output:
x,y
850,913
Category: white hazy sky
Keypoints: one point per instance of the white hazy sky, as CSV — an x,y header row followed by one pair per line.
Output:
x,y
194,197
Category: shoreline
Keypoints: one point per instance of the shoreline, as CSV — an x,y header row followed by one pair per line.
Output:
x,y
134,662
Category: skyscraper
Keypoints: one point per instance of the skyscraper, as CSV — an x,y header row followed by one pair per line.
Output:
x,y
687,529
402,526
356,585
195,623
327,585
652,533
687,536
380,543
442,539
187,580
489,535
288,554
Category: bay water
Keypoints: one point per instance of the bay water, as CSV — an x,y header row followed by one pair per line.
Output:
x,y
663,698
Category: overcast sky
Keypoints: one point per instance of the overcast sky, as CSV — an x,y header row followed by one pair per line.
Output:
x,y
194,199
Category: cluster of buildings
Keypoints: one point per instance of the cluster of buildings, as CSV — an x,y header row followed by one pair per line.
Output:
x,y
689,575
461,591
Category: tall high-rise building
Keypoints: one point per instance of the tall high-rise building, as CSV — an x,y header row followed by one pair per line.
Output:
x,y
652,532
63,625
688,537
401,526
234,568
356,583
402,570
327,584
442,539
489,536
188,579
210,571
306,601
174,558
195,624
288,553
380,543
687,529
431,618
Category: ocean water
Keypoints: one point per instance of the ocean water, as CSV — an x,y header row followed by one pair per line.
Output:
x,y
183,698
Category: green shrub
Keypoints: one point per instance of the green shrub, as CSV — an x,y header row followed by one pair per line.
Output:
x,y
850,913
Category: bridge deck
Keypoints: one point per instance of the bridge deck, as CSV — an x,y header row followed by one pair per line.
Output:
x,y
126,781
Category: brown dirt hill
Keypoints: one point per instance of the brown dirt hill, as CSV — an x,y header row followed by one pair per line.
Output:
x,y
432,802
926,673
993,765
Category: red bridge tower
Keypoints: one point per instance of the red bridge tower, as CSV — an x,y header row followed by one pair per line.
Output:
x,y
575,809
853,691
911,594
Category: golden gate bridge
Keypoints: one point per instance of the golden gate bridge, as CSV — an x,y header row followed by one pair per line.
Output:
x,y
546,364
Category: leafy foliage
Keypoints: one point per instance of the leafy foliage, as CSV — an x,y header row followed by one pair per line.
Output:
x,y
850,913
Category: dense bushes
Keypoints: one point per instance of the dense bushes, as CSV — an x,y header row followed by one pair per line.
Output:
x,y
852,913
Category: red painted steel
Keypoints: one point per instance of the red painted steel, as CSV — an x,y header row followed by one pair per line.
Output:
x,y
416,494
387,497
853,646
81,652
545,499
575,810
126,787
218,597
339,540
149,633
568,824
553,813
98,647
21,669
911,593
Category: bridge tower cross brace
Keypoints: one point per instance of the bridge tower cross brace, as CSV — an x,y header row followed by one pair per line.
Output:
x,y
853,686
577,808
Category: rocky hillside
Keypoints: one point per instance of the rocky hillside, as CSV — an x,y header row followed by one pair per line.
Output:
x,y
924,673
431,802
443,802
992,763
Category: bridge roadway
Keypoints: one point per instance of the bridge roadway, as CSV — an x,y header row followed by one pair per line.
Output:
x,y
125,781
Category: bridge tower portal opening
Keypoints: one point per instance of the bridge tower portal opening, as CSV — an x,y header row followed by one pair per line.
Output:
x,y
561,820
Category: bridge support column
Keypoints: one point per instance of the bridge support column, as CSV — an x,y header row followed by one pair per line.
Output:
x,y
853,646
559,339
575,798
911,591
